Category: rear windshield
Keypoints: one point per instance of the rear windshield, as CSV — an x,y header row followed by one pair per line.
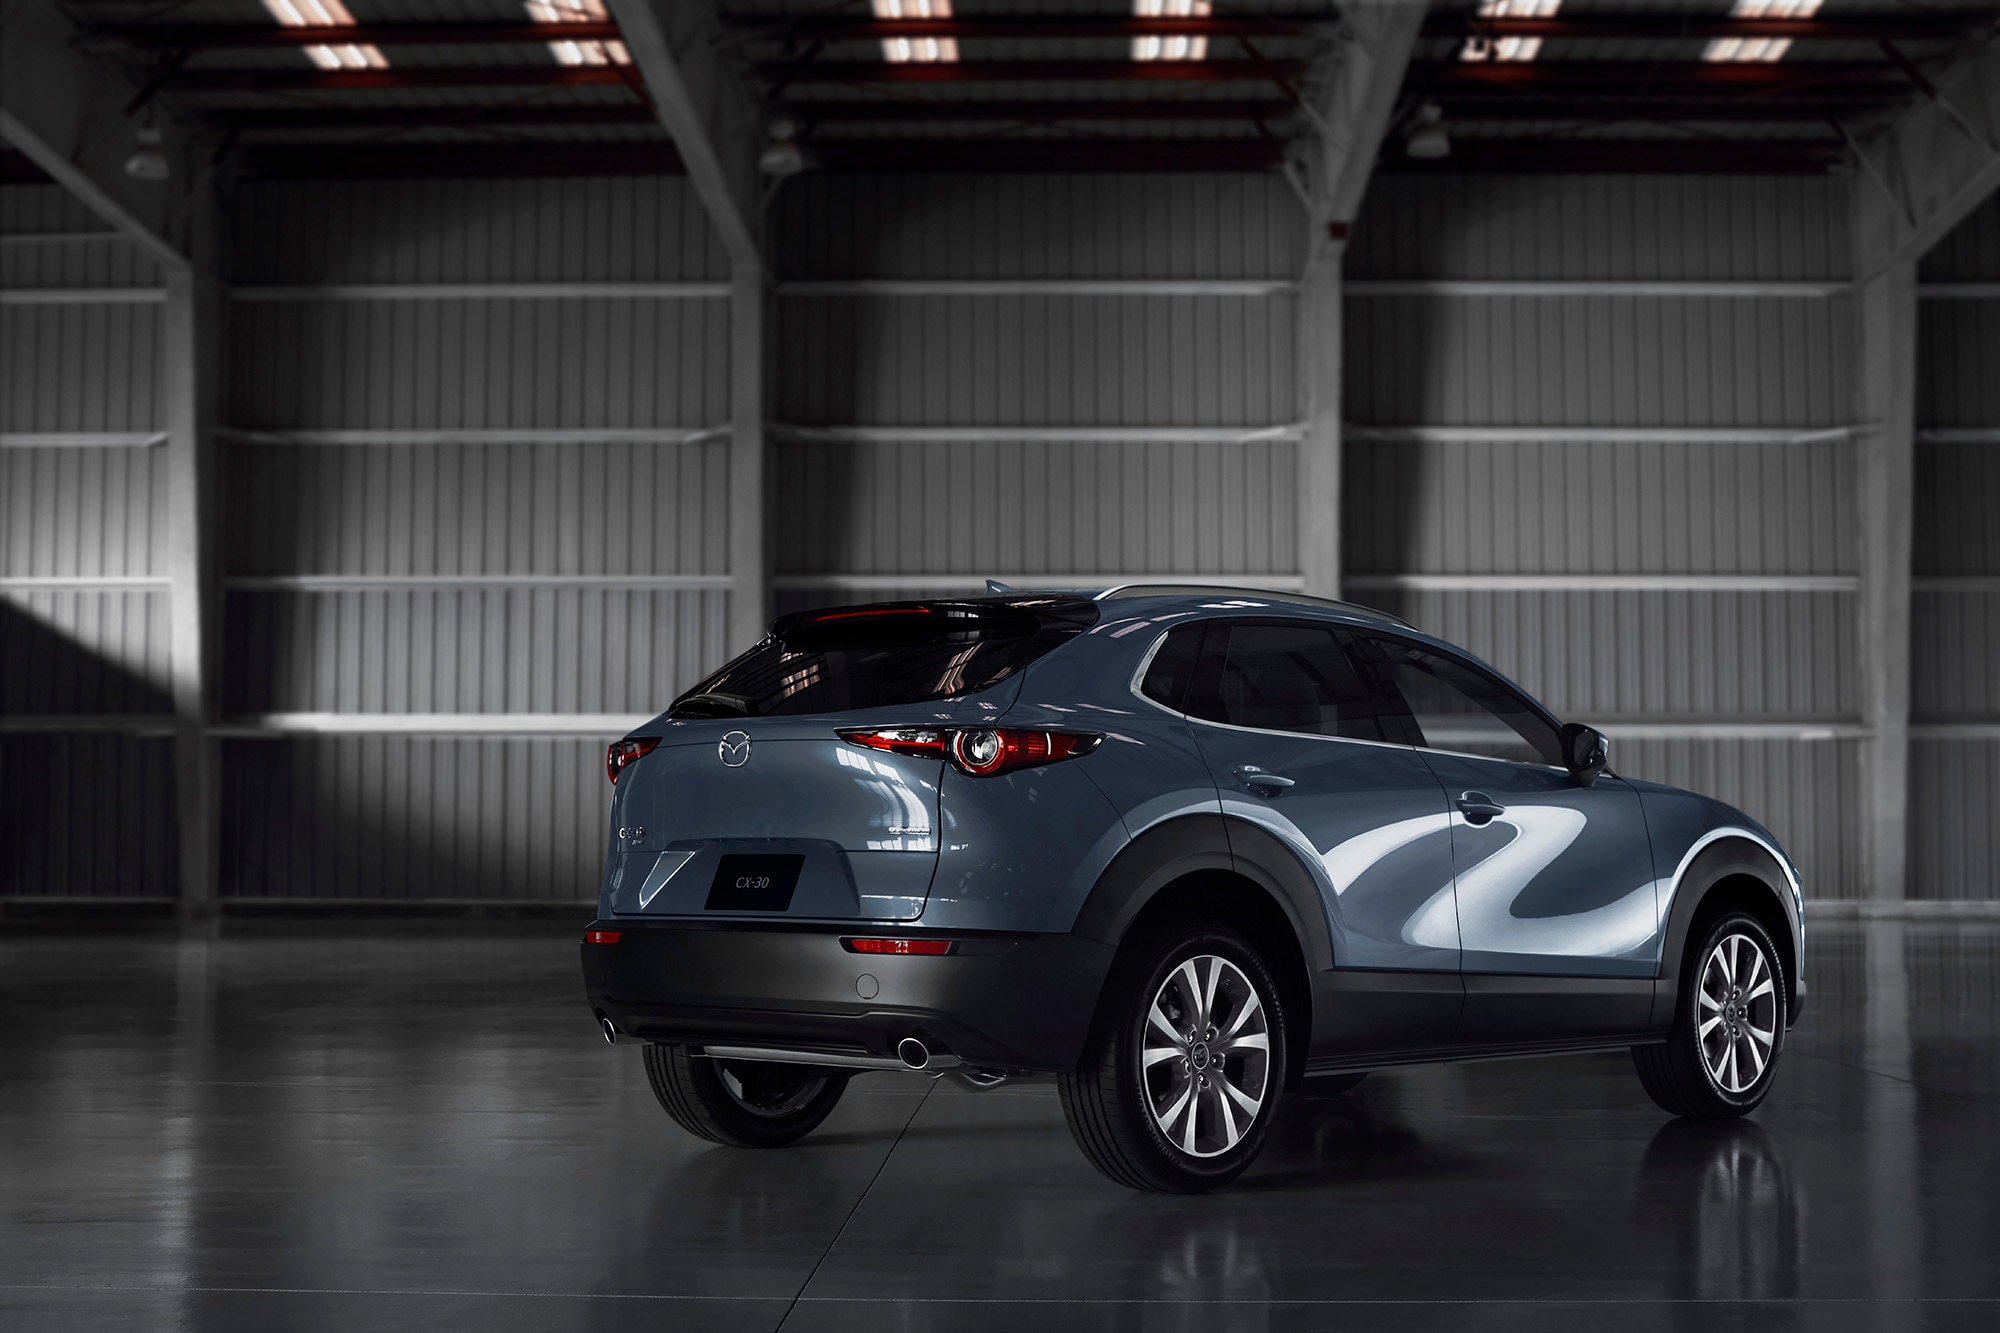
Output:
x,y
852,657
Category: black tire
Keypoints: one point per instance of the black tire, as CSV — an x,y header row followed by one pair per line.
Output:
x,y
740,1103
1110,1099
1682,1074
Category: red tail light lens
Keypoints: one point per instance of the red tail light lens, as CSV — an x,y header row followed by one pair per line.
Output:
x,y
623,754
602,936
923,742
929,948
979,751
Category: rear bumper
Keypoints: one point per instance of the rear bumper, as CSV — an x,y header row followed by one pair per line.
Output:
x,y
1011,1001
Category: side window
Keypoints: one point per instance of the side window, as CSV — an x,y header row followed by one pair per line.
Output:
x,y
1283,677
1172,668
1456,706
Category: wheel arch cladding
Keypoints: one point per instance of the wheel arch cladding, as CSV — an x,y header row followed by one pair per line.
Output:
x,y
1733,873
1205,867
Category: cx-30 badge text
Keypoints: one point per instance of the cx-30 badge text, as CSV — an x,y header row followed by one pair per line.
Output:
x,y
734,749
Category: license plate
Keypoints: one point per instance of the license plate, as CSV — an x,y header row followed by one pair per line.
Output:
x,y
754,883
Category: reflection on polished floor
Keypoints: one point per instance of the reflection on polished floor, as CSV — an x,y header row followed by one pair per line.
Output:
x,y
416,1127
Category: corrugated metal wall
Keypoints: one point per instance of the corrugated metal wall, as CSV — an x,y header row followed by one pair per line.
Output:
x,y
79,362
388,555
1044,504
1658,661
1955,685
396,572
86,791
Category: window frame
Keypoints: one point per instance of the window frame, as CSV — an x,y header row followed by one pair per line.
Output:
x,y
1500,683
1392,722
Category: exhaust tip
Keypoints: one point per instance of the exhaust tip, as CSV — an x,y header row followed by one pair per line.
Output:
x,y
913,1053
610,1031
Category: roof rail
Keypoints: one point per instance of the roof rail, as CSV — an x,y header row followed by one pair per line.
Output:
x,y
1262,594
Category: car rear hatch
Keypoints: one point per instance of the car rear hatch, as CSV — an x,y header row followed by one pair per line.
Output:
x,y
753,805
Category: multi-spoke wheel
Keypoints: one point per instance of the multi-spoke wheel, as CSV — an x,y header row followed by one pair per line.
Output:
x,y
1738,1000
1207,1055
1728,1027
742,1103
1177,1089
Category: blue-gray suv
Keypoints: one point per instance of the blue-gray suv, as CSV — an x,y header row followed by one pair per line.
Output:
x,y
1185,848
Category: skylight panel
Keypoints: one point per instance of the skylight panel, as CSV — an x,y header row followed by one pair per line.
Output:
x,y
578,11
1170,48
1509,48
922,50
1760,48
326,14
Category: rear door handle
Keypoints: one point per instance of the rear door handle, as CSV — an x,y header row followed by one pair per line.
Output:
x,y
1259,782
1479,808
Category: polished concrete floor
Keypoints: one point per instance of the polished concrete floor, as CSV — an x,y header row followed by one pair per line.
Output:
x,y
416,1127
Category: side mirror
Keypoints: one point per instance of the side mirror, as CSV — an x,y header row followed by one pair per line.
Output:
x,y
1585,752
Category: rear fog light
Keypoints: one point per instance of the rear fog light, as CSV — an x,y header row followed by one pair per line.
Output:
x,y
929,947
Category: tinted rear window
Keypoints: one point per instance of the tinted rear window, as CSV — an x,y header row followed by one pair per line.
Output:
x,y
853,657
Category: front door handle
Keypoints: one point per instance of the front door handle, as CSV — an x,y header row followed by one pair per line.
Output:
x,y
1260,783
1479,808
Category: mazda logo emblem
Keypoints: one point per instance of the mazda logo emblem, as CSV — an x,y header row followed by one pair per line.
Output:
x,y
734,749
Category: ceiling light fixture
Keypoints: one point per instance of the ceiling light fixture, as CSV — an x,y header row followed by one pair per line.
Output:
x,y
148,161
781,158
1428,141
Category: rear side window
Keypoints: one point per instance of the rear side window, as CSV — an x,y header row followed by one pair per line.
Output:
x,y
854,657
1458,707
1171,671
1285,677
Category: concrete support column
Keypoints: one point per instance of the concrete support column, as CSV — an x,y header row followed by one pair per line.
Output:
x,y
1886,488
1320,452
192,351
749,544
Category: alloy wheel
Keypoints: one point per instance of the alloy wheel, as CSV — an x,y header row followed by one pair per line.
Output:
x,y
1737,1019
1205,1061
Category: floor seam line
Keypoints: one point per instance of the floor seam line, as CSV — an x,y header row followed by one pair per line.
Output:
x,y
848,1221
1893,1078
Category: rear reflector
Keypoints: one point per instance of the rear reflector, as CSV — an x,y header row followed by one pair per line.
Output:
x,y
900,946
623,754
602,936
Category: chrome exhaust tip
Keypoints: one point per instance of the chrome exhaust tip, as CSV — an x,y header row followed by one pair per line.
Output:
x,y
913,1053
610,1031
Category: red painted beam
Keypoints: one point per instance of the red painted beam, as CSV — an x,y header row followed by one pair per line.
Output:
x,y
1789,107
292,79
1037,110
205,37
1653,76
435,161
1030,71
1648,28
1097,155
411,117
1623,157
1015,28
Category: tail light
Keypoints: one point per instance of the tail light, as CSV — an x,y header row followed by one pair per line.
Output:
x,y
979,751
623,754
602,936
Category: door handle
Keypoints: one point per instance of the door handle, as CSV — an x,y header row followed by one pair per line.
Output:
x,y
1479,808
1259,782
